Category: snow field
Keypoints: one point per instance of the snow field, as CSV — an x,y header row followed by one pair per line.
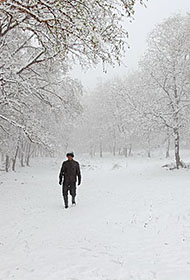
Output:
x,y
132,221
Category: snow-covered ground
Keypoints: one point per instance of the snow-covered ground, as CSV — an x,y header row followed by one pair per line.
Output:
x,y
132,222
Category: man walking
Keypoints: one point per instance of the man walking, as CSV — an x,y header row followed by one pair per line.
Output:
x,y
70,171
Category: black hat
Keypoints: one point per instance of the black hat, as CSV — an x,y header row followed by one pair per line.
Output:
x,y
70,154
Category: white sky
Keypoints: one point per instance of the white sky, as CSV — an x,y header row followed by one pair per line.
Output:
x,y
145,19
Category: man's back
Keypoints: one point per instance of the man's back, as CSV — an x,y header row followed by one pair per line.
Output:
x,y
70,170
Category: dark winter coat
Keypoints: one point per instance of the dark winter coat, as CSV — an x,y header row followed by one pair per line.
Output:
x,y
70,171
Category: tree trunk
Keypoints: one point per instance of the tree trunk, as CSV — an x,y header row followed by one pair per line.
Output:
x,y
7,163
22,159
114,143
125,151
22,149
149,150
130,150
177,155
14,159
114,150
91,152
28,154
168,148
176,130
168,144
101,152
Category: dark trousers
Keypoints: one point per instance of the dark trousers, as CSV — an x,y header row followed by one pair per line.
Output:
x,y
69,187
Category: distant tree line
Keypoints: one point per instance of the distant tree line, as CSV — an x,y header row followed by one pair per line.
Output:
x,y
150,107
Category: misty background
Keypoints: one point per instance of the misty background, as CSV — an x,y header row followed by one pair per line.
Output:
x,y
144,21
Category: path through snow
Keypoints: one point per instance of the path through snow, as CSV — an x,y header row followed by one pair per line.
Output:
x,y
132,221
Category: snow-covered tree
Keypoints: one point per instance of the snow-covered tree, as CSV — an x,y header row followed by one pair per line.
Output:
x,y
166,71
88,30
38,40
